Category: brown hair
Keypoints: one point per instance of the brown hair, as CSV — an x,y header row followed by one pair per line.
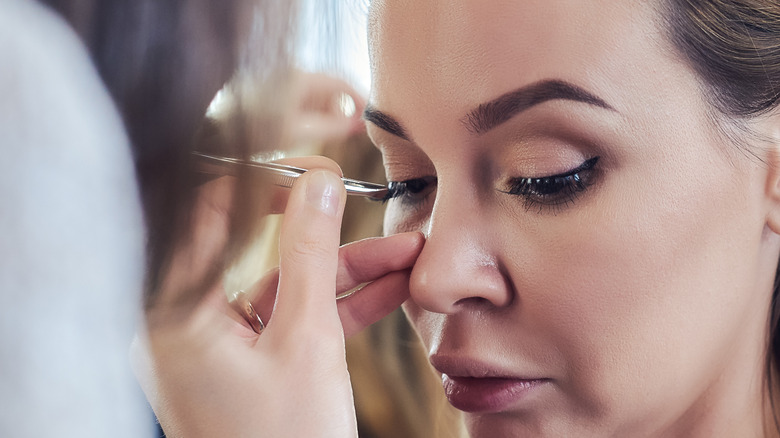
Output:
x,y
734,47
163,62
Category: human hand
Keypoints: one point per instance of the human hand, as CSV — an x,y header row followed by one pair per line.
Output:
x,y
208,374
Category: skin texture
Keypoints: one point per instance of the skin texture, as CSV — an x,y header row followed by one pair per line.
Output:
x,y
643,300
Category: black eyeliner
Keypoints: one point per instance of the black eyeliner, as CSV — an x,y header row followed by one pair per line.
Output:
x,y
552,190
587,165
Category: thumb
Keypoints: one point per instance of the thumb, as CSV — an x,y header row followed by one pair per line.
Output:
x,y
308,249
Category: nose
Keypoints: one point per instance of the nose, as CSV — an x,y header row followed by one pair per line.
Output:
x,y
458,269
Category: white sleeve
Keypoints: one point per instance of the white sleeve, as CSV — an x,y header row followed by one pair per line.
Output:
x,y
71,240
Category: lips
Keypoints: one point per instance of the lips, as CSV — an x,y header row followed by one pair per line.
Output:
x,y
474,386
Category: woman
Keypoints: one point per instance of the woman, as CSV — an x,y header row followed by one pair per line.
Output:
x,y
598,183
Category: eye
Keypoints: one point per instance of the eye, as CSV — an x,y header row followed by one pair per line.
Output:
x,y
554,191
411,191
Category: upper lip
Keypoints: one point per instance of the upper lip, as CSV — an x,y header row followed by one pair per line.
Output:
x,y
458,366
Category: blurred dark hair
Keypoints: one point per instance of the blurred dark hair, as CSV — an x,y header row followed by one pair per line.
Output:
x,y
163,62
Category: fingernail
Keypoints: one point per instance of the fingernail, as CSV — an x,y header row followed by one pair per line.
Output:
x,y
322,192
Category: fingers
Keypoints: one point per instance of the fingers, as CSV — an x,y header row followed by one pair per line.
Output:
x,y
264,295
374,301
369,259
308,249
279,195
275,197
385,261
312,162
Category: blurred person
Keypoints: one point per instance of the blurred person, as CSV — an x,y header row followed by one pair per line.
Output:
x,y
162,64
88,181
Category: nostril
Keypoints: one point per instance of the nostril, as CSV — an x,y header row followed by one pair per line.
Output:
x,y
474,302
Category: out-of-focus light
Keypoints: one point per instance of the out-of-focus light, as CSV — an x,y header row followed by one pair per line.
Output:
x,y
346,105
221,103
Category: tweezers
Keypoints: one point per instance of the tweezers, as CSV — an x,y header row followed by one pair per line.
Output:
x,y
281,175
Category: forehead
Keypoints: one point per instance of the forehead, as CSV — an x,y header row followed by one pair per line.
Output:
x,y
455,54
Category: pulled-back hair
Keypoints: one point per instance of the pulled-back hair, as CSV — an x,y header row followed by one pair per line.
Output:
x,y
734,47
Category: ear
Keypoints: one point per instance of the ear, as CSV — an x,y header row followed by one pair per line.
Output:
x,y
770,131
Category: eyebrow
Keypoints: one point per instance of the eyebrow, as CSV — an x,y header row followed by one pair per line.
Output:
x,y
491,114
488,115
384,121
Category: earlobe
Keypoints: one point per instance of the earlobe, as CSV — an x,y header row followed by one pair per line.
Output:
x,y
772,133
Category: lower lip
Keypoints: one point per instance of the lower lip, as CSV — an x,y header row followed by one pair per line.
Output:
x,y
487,394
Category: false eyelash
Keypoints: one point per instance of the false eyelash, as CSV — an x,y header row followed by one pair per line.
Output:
x,y
555,190
411,188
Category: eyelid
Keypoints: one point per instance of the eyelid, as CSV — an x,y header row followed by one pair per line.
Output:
x,y
586,165
403,161
403,170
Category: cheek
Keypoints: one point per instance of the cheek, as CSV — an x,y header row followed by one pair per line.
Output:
x,y
657,279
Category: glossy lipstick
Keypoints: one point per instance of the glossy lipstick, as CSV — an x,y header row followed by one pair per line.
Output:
x,y
486,394
473,386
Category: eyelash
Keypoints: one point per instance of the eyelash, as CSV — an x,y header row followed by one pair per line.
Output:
x,y
554,191
410,191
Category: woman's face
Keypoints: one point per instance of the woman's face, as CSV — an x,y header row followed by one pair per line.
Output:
x,y
625,295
